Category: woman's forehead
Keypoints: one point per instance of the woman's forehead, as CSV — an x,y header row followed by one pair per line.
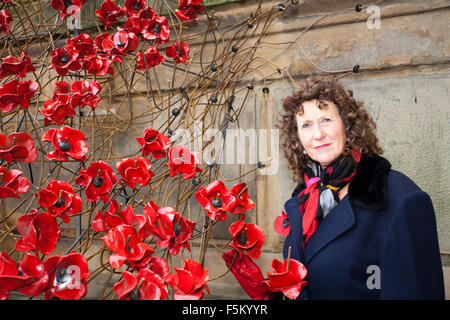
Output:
x,y
314,107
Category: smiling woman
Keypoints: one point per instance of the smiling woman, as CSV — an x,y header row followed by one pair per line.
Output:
x,y
350,212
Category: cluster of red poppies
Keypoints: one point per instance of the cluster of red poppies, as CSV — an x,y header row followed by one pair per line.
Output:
x,y
151,276
16,93
66,98
58,277
96,56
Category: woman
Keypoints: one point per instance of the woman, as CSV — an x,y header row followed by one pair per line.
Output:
x,y
363,230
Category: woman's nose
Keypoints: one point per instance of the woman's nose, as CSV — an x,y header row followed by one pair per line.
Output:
x,y
318,132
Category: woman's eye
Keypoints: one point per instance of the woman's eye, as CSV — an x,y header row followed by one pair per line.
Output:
x,y
305,125
326,120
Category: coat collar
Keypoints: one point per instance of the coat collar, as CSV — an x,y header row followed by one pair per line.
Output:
x,y
367,190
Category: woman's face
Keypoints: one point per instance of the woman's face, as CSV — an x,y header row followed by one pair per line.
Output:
x,y
321,132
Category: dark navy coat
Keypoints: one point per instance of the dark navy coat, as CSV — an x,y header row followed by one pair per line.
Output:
x,y
379,242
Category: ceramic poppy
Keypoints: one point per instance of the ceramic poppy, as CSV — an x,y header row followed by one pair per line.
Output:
x,y
216,199
67,277
17,146
64,59
147,285
12,183
118,44
17,93
135,24
189,282
289,281
155,143
133,171
5,20
184,161
282,225
85,93
98,180
98,65
67,142
248,238
67,7
108,13
243,201
187,9
40,232
60,199
30,277
157,30
179,51
57,111
248,274
169,227
134,7
113,217
84,45
20,67
127,246
150,58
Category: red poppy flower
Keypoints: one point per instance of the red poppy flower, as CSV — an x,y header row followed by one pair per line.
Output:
x,y
63,5
169,227
12,183
248,274
58,110
60,199
5,19
20,67
155,142
67,277
282,225
184,161
147,285
15,93
179,51
127,246
216,199
98,65
187,9
108,13
134,24
64,59
152,58
29,278
68,142
117,45
83,43
17,146
243,201
99,178
156,29
134,7
40,231
289,281
136,170
86,93
189,282
159,266
247,238
112,218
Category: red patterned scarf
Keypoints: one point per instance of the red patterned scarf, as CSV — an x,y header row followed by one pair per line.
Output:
x,y
320,195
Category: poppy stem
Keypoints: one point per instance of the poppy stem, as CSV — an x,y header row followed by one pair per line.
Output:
x,y
242,191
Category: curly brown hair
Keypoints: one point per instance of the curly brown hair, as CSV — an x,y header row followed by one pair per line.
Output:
x,y
359,125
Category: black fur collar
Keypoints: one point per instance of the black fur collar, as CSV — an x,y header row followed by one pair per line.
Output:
x,y
369,186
